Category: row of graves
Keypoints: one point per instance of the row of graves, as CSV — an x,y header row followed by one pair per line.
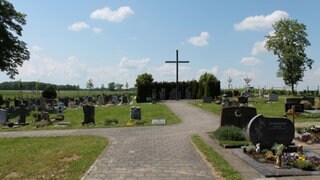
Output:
x,y
14,114
270,137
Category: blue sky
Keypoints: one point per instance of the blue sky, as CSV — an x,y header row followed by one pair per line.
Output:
x,y
116,40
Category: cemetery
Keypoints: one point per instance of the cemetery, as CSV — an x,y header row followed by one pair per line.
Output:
x,y
221,114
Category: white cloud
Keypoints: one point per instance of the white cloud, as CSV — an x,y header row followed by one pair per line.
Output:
x,y
238,74
260,22
96,30
201,40
259,48
250,61
317,72
78,26
114,16
214,70
126,63
36,48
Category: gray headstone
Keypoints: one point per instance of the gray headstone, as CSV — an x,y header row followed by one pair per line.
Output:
x,y
163,94
237,116
273,97
188,94
268,131
135,113
3,117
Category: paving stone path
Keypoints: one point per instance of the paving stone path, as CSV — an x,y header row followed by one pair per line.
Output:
x,y
155,152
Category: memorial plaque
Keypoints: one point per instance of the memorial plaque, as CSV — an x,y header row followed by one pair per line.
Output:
x,y
268,131
273,97
237,116
158,121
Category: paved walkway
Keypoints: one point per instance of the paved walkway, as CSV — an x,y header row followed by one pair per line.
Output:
x,y
156,152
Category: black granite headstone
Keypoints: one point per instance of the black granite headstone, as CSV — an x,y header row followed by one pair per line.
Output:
x,y
243,100
268,131
23,114
88,114
237,116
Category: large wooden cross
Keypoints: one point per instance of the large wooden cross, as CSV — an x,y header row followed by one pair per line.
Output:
x,y
177,71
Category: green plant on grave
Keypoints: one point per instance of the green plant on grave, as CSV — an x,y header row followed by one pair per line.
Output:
x,y
250,149
231,133
278,149
305,165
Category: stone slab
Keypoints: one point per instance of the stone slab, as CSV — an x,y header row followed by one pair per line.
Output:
x,y
268,170
159,121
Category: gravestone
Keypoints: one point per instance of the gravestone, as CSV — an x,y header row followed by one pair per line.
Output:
x,y
268,131
3,117
17,103
43,104
243,100
101,100
125,99
115,100
154,96
311,100
237,116
23,114
207,99
188,94
273,97
135,113
294,102
7,104
60,108
88,114
158,121
163,94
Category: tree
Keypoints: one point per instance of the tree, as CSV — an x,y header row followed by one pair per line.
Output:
x,y
111,86
289,42
90,84
119,86
102,87
205,82
13,52
127,85
144,79
49,92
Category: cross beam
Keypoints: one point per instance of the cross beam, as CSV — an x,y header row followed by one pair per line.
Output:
x,y
177,71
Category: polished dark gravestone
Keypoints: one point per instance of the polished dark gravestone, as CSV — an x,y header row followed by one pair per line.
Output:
x,y
23,114
237,116
88,114
268,131
243,100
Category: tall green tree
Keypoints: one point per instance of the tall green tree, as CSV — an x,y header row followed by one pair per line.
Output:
x,y
90,84
13,52
144,78
112,86
205,81
289,43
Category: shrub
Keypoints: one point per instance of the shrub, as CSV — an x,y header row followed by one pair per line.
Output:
x,y
49,93
305,165
231,133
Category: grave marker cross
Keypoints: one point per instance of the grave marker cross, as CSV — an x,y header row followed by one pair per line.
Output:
x,y
177,71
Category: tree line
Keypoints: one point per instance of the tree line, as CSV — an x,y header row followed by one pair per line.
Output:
x,y
34,85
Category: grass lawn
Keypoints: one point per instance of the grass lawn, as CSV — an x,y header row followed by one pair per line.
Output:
x,y
120,113
275,109
216,160
48,157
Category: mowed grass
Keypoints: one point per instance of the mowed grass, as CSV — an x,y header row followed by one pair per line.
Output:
x,y
216,160
49,157
102,114
275,109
